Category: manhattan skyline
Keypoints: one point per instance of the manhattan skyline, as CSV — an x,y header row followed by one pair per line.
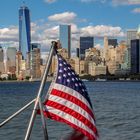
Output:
x,y
87,18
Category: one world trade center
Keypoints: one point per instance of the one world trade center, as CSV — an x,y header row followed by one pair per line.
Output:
x,y
24,31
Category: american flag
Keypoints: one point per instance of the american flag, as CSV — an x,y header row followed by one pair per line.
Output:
x,y
68,101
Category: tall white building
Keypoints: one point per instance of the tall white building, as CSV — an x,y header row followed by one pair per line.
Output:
x,y
106,48
11,59
65,38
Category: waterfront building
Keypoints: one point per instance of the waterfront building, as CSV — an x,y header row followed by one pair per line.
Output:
x,y
2,68
112,63
135,56
35,58
79,66
94,69
113,66
123,53
11,60
65,38
94,63
18,64
92,52
24,31
21,67
63,52
117,58
85,43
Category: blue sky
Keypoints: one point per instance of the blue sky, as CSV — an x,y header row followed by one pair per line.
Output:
x,y
87,17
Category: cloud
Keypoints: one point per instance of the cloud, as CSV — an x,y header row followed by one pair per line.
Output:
x,y
45,32
66,17
136,10
125,2
9,34
50,1
51,33
102,30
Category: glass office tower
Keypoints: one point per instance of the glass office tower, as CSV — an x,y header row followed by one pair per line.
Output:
x,y
85,43
135,56
24,31
65,38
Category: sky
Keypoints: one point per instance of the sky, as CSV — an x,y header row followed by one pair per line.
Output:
x,y
96,18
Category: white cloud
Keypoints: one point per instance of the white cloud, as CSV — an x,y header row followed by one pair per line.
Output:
x,y
44,34
9,34
66,17
125,2
136,10
50,1
51,33
102,30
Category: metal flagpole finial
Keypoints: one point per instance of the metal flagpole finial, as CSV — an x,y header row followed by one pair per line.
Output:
x,y
56,44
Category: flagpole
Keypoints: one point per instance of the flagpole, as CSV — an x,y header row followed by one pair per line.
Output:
x,y
43,121
32,119
16,113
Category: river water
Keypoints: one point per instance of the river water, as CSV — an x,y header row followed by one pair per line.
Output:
x,y
116,107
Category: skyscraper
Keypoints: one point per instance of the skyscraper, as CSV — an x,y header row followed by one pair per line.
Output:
x,y
85,43
35,60
131,35
135,56
24,30
65,37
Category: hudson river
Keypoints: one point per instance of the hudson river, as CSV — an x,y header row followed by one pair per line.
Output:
x,y
116,107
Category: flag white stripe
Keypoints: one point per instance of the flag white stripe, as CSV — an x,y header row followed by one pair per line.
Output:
x,y
70,118
72,106
71,92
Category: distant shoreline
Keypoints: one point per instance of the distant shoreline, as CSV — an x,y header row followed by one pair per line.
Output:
x,y
16,81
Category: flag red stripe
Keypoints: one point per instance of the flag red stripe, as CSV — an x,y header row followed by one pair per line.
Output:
x,y
72,99
72,113
60,119
71,92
